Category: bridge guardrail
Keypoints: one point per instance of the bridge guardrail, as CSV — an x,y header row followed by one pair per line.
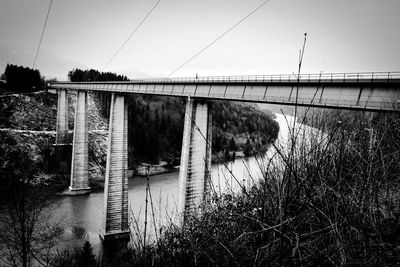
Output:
x,y
314,77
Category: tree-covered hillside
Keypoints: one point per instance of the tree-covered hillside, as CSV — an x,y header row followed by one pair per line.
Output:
x,y
22,79
156,128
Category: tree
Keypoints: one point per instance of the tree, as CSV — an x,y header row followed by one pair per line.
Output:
x,y
226,154
78,75
232,144
248,150
23,79
26,234
86,257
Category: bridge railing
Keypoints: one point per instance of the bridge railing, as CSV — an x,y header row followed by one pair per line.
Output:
x,y
315,77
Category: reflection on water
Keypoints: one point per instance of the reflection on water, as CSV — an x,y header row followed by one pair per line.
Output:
x,y
81,216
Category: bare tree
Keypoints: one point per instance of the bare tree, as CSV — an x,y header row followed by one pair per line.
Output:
x,y
26,235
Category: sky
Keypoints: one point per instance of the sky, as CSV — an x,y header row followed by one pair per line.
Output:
x,y
342,36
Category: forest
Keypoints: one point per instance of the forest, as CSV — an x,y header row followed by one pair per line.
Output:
x,y
78,75
22,79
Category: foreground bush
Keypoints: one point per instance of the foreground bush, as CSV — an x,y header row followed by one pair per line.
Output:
x,y
335,202
332,200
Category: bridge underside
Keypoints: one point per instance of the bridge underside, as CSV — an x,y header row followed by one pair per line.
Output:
x,y
362,95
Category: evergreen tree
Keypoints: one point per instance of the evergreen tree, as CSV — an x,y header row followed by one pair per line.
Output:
x,y
87,257
248,150
226,154
21,79
232,144
78,75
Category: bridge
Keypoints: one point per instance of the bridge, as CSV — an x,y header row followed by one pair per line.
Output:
x,y
379,91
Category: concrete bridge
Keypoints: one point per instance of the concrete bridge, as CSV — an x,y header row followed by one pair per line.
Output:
x,y
355,91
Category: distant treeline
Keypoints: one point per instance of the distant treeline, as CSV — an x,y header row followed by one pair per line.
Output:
x,y
78,75
155,125
22,79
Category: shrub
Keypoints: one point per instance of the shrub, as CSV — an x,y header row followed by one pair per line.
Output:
x,y
329,199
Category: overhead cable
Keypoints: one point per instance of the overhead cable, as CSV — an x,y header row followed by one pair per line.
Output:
x,y
41,37
218,38
130,35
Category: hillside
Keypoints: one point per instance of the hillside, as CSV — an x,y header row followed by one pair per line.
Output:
x,y
27,129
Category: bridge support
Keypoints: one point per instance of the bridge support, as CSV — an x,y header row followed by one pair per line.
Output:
x,y
115,217
62,117
194,174
62,146
79,167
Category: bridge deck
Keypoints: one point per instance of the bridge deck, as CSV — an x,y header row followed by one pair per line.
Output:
x,y
360,91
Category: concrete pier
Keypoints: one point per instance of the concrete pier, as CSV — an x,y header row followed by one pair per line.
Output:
x,y
62,117
79,167
115,215
194,180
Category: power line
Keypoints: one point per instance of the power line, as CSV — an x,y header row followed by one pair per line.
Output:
x,y
219,37
130,35
41,37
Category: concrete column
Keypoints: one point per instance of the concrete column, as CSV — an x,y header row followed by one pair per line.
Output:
x,y
115,215
194,174
79,166
62,117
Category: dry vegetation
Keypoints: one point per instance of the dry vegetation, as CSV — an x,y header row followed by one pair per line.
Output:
x,y
334,202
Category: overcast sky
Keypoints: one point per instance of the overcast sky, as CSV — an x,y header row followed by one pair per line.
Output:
x,y
343,36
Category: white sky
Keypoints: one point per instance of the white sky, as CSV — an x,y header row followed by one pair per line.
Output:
x,y
343,36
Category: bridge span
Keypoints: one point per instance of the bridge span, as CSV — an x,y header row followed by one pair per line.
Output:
x,y
356,91
362,91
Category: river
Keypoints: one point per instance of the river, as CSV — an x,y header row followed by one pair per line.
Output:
x,y
81,216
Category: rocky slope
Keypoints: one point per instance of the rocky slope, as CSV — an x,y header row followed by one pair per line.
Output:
x,y
28,124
